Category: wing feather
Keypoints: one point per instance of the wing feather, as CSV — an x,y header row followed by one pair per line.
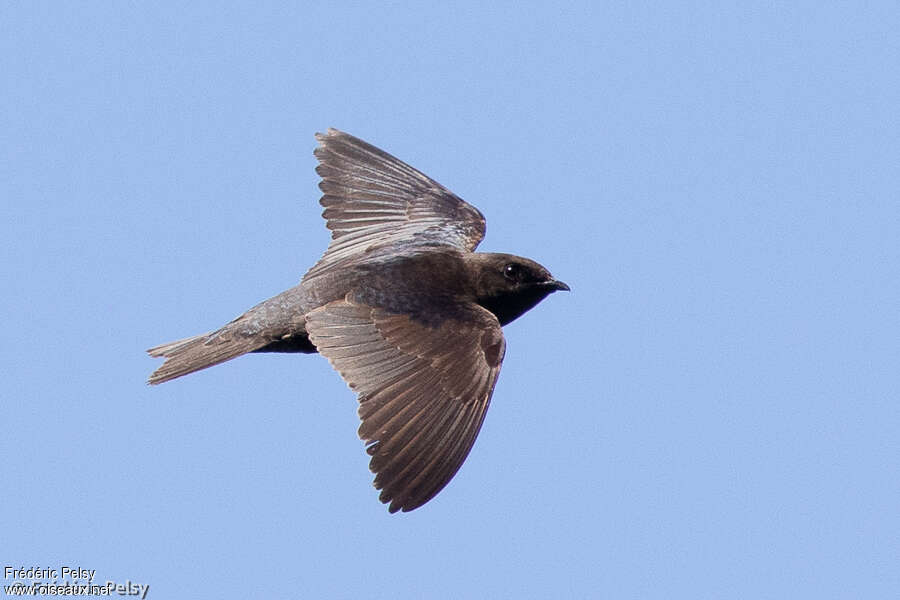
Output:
x,y
373,199
423,390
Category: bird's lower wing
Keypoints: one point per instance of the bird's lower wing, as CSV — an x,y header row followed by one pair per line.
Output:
x,y
423,389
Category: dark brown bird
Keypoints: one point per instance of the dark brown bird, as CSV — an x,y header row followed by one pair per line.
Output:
x,y
401,306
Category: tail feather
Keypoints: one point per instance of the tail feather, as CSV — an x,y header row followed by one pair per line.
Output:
x,y
199,352
170,349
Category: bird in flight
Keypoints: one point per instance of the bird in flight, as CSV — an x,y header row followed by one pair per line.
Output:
x,y
403,308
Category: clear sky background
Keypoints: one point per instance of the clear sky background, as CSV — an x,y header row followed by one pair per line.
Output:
x,y
712,412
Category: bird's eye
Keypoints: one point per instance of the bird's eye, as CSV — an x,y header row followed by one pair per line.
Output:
x,y
513,272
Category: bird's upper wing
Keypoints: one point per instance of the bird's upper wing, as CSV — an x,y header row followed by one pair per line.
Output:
x,y
374,200
423,389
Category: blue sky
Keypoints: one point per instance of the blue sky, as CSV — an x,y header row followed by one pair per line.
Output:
x,y
712,412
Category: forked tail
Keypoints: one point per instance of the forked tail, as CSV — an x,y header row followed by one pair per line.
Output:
x,y
199,352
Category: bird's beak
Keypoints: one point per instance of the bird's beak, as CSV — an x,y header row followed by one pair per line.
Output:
x,y
555,284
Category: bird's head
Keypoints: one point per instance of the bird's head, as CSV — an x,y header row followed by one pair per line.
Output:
x,y
509,285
